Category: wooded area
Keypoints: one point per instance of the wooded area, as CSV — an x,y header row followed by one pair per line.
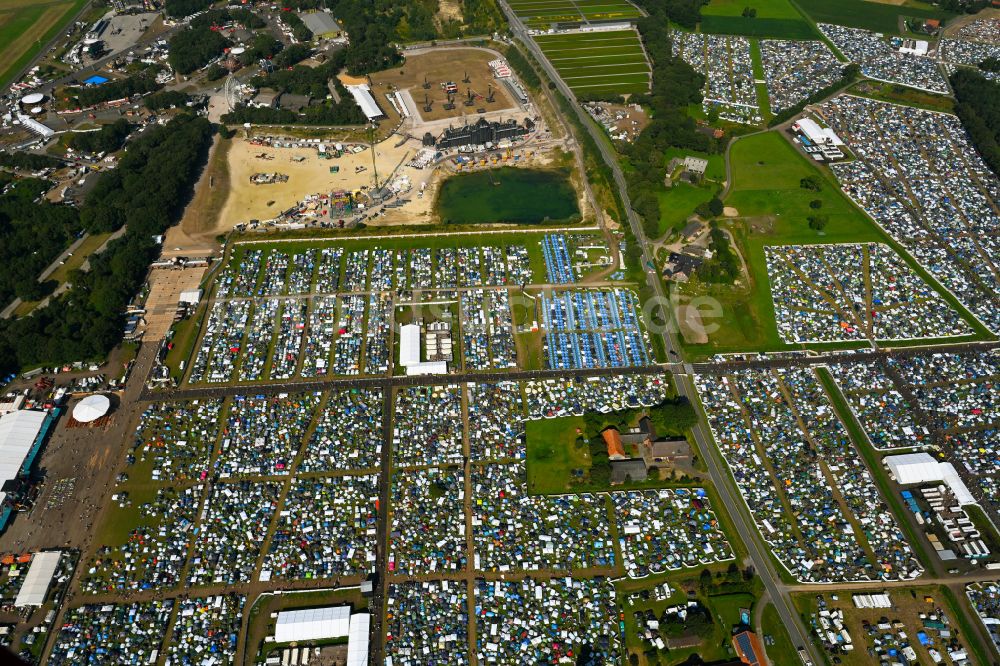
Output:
x,y
978,108
147,192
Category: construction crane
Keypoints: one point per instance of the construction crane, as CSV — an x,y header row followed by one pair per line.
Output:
x,y
427,85
469,99
489,97
466,79
427,104
450,104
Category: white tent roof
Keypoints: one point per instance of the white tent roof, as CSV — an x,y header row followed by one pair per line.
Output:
x,y
913,468
33,98
363,96
18,431
39,578
428,368
357,641
409,345
313,624
955,483
923,468
91,408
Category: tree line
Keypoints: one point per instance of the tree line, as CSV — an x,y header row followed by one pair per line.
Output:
x,y
978,107
147,192
32,234
675,86
139,83
182,8
29,161
105,140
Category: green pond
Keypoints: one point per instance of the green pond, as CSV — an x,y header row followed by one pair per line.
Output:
x,y
524,196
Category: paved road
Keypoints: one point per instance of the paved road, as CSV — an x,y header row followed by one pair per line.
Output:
x,y
745,525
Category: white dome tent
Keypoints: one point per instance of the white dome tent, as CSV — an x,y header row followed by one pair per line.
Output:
x,y
91,408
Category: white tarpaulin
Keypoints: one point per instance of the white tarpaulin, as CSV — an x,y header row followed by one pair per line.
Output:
x,y
357,642
913,468
313,624
38,579
409,345
18,431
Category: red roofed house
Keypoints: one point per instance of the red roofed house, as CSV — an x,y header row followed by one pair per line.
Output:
x,y
616,450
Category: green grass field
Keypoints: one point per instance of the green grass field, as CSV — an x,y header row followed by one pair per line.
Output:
x,y
611,62
864,14
775,18
26,26
771,625
678,203
552,453
543,13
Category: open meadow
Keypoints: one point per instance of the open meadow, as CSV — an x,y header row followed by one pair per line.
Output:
x,y
776,19
874,16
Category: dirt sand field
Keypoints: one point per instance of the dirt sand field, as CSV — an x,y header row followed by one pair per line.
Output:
x,y
247,201
441,65
165,287
194,235
692,328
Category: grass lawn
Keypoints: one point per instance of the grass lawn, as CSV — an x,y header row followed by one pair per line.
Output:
x,y
864,14
716,169
758,27
26,26
552,453
775,18
772,626
677,204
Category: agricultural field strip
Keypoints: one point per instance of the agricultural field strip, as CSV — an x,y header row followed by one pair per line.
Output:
x,y
619,65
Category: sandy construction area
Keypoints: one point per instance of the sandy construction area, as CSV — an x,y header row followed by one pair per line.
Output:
x,y
312,175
